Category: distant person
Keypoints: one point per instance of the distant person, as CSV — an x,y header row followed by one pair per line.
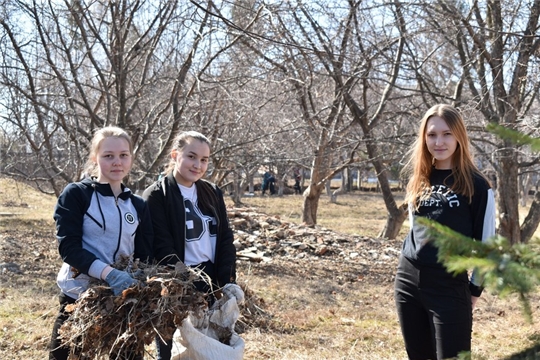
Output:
x,y
297,177
190,219
272,185
435,306
268,183
264,186
98,220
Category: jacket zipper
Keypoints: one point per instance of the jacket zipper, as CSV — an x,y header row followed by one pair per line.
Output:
x,y
120,227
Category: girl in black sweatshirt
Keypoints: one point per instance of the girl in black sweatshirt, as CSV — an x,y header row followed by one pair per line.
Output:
x,y
434,306
190,219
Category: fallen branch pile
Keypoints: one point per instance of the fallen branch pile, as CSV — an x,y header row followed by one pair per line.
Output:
x,y
102,324
252,312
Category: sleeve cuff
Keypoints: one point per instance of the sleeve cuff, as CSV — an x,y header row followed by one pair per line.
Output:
x,y
475,289
96,269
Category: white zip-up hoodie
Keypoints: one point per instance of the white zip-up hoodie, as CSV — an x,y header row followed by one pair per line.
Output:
x,y
95,228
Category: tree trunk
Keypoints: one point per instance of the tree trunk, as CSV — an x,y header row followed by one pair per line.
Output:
x,y
525,186
396,214
251,188
530,224
280,184
328,188
237,190
343,187
394,222
508,191
347,172
359,174
311,204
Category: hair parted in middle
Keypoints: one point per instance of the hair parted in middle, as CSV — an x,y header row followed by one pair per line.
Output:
x,y
207,198
97,139
420,163
180,142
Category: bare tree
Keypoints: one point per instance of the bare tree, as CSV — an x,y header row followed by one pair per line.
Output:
x,y
72,67
292,56
497,44
324,68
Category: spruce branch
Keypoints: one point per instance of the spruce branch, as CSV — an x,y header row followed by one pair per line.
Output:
x,y
505,269
516,137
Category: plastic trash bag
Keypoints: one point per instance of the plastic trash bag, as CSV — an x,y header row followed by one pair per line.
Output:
x,y
198,337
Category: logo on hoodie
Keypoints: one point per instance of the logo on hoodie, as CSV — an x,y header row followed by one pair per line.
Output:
x,y
129,218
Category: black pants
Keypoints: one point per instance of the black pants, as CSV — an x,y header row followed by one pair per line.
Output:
x,y
297,189
434,309
164,349
58,352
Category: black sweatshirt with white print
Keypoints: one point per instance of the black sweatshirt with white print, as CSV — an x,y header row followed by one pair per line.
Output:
x,y
475,219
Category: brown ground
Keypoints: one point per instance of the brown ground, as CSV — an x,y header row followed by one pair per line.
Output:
x,y
338,305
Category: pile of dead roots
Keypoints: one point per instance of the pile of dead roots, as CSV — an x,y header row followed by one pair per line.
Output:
x,y
101,324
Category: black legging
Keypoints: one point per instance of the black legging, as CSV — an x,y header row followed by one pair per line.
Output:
x,y
434,310
58,352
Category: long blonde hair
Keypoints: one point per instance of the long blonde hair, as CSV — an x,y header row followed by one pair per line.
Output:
x,y
100,135
420,163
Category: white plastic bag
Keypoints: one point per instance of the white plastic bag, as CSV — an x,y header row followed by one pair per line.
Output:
x,y
197,338
194,345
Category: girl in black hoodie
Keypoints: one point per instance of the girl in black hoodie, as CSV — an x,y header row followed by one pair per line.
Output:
x,y
190,218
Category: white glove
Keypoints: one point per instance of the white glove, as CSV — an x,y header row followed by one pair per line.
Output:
x,y
233,291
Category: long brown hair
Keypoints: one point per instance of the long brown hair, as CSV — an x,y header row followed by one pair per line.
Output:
x,y
420,163
207,198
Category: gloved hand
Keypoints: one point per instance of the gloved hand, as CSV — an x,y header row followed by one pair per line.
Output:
x,y
233,291
137,274
119,281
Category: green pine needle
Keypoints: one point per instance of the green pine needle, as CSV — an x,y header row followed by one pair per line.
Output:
x,y
515,136
505,269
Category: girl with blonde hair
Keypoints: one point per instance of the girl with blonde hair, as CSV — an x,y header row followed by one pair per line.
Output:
x,y
98,221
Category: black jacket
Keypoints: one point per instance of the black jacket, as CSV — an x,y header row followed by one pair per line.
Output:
x,y
169,219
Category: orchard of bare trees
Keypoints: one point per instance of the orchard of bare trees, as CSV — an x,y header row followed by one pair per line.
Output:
x,y
326,87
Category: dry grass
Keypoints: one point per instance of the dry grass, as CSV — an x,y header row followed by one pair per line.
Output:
x,y
26,318
27,303
21,207
315,315
322,319
359,213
